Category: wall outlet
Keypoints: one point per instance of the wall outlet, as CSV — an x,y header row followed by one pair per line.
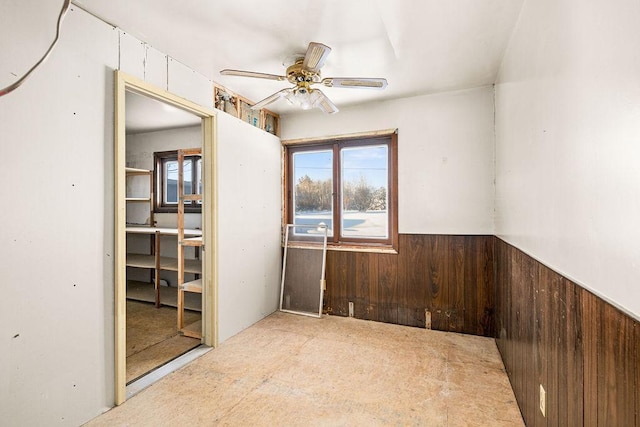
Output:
x,y
351,311
543,401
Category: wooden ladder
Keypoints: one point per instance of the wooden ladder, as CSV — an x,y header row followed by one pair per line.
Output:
x,y
195,285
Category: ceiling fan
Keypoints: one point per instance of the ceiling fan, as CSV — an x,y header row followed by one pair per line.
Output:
x,y
304,72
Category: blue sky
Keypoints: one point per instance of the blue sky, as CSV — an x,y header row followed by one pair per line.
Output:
x,y
371,162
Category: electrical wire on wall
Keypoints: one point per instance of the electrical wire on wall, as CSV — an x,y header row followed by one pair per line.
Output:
x,y
21,80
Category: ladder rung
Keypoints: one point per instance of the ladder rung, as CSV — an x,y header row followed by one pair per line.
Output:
x,y
192,241
193,286
190,151
190,334
193,330
196,197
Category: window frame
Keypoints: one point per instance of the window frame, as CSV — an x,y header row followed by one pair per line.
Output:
x,y
335,144
160,205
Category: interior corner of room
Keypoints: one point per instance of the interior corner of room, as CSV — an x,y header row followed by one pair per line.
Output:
x,y
146,197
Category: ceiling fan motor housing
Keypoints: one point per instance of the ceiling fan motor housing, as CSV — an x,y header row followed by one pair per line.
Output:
x,y
297,75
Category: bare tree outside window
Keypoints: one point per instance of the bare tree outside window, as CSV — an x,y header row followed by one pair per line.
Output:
x,y
359,187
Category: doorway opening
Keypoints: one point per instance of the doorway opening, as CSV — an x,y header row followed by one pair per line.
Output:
x,y
165,290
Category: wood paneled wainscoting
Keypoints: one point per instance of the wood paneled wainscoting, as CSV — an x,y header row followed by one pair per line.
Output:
x,y
581,349
449,279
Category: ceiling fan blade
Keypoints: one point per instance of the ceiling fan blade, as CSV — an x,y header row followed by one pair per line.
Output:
x,y
271,98
355,82
315,56
325,104
241,73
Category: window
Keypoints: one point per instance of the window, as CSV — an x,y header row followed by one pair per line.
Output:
x,y
348,185
166,181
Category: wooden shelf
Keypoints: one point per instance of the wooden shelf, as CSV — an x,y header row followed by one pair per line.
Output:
x,y
145,291
193,266
163,231
141,261
135,178
193,286
135,171
139,196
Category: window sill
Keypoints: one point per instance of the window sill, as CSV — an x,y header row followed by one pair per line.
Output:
x,y
378,249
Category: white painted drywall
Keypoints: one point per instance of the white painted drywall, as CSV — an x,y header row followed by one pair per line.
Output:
x,y
568,143
445,155
143,61
56,239
56,242
249,195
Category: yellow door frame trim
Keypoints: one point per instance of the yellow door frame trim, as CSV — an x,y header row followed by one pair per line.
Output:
x,y
124,83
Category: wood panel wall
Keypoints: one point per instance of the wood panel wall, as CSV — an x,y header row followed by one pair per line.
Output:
x,y
584,351
452,277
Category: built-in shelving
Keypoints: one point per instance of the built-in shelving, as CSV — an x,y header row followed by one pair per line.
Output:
x,y
154,260
137,171
193,266
132,174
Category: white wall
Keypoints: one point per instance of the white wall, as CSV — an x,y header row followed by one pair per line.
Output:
x,y
56,242
445,155
56,239
249,196
568,143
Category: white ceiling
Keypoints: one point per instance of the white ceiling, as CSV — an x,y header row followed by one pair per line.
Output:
x,y
144,114
420,46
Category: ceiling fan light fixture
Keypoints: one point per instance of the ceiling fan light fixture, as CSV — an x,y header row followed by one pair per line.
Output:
x,y
268,100
304,98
